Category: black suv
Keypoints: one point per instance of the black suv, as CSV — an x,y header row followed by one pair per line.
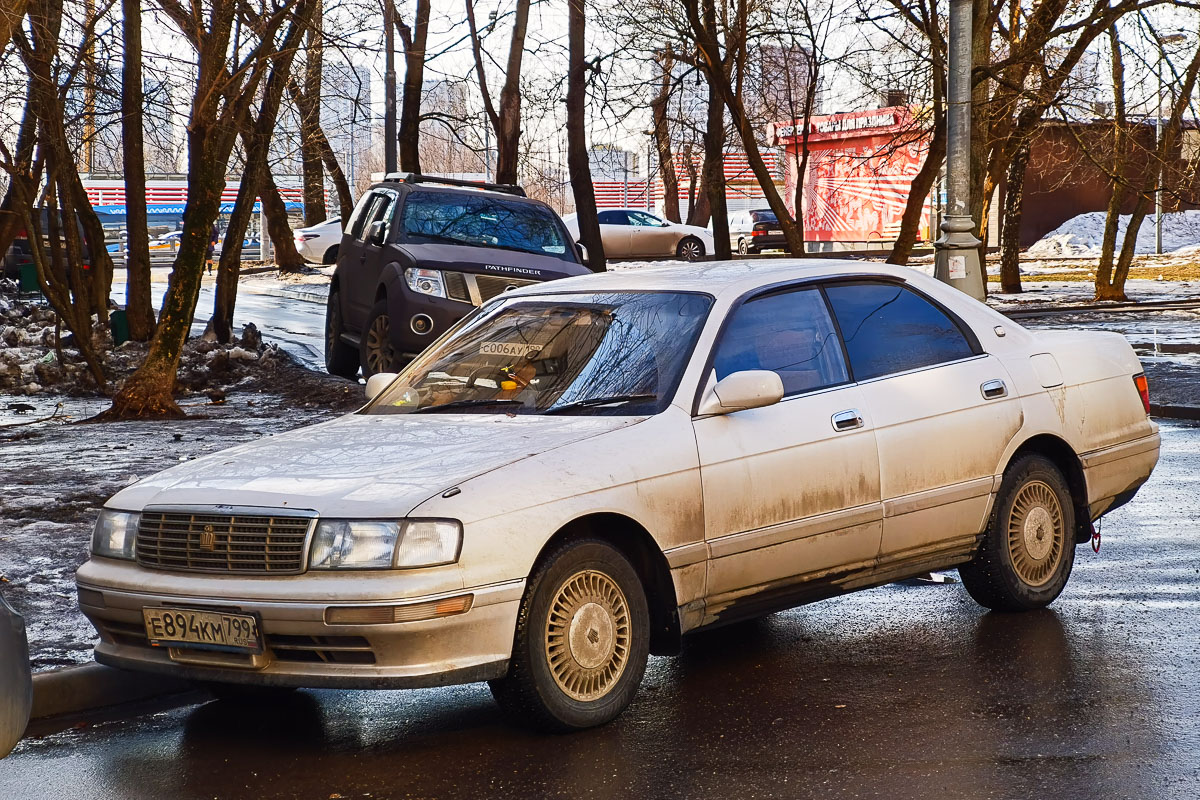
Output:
x,y
420,252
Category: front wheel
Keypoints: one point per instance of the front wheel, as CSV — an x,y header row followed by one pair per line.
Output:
x,y
582,640
377,352
690,249
341,359
1029,547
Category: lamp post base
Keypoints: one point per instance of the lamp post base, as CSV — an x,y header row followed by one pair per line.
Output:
x,y
957,259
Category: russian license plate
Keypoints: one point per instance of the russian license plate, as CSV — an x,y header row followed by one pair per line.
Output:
x,y
206,630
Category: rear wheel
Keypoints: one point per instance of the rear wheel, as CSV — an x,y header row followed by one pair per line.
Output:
x,y
341,359
330,255
1029,548
743,247
582,640
690,249
377,352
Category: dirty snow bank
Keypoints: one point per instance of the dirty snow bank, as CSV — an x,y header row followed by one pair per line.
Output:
x,y
1083,235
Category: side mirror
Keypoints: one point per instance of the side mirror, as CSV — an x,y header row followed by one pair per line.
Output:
x,y
582,251
752,388
664,224
375,233
378,382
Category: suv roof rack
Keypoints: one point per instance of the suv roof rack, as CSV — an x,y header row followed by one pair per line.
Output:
x,y
413,177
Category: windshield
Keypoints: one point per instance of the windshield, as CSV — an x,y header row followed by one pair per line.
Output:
x,y
618,353
482,220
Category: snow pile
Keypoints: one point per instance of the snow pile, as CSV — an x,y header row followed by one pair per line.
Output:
x,y
1082,236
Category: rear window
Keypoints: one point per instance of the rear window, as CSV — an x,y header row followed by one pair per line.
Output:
x,y
888,328
765,216
482,220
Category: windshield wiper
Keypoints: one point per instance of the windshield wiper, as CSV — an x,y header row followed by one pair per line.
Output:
x,y
498,401
592,402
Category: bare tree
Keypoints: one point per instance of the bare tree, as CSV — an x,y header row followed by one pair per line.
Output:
x,y
577,153
138,310
415,40
506,120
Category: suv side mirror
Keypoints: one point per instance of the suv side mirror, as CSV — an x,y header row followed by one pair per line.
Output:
x,y
752,388
375,233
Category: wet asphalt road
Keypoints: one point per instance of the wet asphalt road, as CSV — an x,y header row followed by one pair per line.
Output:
x,y
899,692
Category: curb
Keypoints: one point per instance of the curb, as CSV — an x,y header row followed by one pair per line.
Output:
x,y
72,690
319,296
1175,412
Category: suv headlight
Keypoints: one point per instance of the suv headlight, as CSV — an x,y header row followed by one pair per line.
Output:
x,y
115,534
425,281
383,544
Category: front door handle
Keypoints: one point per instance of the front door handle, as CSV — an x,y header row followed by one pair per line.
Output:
x,y
847,420
993,389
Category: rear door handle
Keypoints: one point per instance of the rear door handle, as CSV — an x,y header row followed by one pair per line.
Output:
x,y
993,389
847,420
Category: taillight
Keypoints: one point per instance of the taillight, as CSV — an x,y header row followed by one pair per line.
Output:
x,y
1143,388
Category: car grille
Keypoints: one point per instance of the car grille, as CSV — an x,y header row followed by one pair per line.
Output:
x,y
456,287
489,286
229,543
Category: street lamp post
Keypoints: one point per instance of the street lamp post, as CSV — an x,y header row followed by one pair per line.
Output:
x,y
957,260
389,89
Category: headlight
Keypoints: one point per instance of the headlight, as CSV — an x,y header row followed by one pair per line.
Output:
x,y
382,544
115,534
425,281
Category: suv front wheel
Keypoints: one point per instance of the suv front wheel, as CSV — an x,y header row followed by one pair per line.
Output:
x,y
377,352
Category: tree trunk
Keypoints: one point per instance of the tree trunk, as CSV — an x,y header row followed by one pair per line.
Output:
x,y
340,183
662,139
287,259
698,210
23,179
310,122
508,131
577,154
1112,216
713,176
11,12
1010,227
414,79
138,309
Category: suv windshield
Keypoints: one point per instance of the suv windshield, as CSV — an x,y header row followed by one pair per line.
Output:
x,y
482,220
615,353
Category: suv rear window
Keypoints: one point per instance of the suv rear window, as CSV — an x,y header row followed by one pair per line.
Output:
x,y
482,220
764,216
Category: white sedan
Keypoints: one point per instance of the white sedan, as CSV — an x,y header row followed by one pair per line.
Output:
x,y
583,471
634,233
319,243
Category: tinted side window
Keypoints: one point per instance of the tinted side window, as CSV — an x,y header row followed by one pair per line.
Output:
x,y
790,334
612,218
889,328
354,225
379,210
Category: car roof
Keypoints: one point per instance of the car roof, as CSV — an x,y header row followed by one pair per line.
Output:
x,y
719,277
433,186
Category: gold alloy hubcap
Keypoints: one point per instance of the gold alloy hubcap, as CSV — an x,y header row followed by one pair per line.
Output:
x,y
1035,533
380,353
588,635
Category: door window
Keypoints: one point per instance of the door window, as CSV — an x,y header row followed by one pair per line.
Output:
x,y
379,210
789,333
642,219
612,218
888,328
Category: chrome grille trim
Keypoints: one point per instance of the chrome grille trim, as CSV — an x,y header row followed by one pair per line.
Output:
x,y
244,540
482,288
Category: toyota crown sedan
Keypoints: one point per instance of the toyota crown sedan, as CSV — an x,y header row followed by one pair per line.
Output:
x,y
579,473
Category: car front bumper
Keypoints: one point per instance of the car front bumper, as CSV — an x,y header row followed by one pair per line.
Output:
x,y
300,648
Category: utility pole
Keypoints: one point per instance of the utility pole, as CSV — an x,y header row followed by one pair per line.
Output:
x,y
957,260
390,139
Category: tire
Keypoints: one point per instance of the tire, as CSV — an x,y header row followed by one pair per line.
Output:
x,y
1029,547
330,256
341,359
690,249
376,352
743,248
589,586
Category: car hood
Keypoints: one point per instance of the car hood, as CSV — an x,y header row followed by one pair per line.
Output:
x,y
362,465
490,261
